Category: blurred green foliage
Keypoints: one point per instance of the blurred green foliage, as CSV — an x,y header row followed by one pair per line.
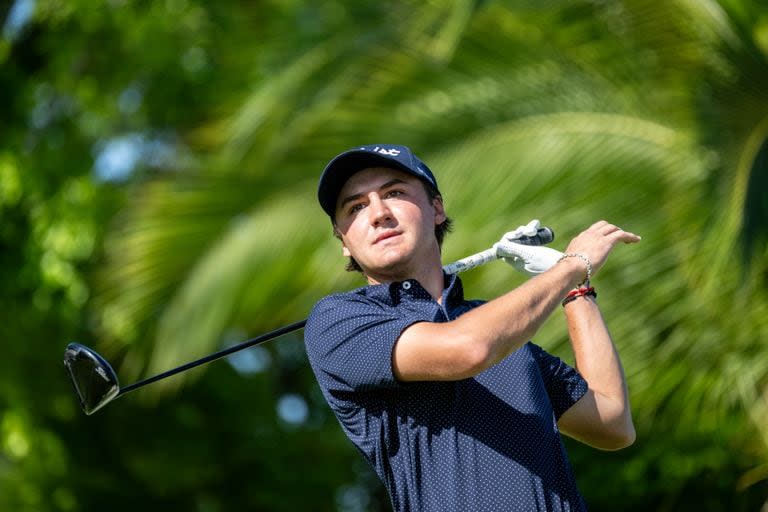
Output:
x,y
157,174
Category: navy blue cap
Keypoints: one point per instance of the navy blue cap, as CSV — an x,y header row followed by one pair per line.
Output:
x,y
338,170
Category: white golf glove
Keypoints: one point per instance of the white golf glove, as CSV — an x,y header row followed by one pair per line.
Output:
x,y
529,229
530,260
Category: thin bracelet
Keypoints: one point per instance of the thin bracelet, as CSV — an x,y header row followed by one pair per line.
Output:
x,y
582,258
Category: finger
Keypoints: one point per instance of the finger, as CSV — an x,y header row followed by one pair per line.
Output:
x,y
531,228
630,238
608,229
515,234
623,236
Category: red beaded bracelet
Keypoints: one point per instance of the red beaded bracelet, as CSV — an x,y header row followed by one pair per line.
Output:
x,y
579,292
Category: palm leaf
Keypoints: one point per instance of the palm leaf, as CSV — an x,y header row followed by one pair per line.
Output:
x,y
568,113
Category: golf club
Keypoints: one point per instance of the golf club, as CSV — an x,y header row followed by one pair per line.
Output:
x,y
96,384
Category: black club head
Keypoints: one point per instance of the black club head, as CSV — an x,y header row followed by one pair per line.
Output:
x,y
94,379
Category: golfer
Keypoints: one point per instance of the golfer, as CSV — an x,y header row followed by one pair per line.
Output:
x,y
447,399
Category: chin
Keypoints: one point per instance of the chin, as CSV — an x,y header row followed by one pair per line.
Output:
x,y
386,266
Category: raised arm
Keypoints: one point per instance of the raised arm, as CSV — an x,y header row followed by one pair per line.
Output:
x,y
480,338
602,417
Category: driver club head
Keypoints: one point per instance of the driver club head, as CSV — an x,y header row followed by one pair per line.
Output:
x,y
94,379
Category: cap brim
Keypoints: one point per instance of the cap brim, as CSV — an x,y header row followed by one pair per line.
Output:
x,y
339,170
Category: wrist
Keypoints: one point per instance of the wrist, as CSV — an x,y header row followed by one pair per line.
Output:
x,y
581,267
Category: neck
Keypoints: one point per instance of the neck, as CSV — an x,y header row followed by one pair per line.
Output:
x,y
429,275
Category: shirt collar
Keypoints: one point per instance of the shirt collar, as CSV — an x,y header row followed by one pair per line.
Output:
x,y
411,289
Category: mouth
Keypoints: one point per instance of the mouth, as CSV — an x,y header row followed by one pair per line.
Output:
x,y
385,236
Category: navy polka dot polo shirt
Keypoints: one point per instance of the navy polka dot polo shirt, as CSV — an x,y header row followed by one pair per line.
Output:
x,y
487,443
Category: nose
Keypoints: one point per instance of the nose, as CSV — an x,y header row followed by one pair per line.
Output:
x,y
379,210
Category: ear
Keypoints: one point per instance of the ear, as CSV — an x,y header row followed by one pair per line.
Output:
x,y
437,204
337,234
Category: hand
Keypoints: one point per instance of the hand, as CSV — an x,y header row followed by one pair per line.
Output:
x,y
597,241
527,259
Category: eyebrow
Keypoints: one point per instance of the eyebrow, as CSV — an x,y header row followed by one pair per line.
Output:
x,y
355,197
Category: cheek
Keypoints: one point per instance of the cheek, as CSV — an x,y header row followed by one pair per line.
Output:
x,y
349,233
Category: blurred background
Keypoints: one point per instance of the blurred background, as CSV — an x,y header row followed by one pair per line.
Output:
x,y
158,168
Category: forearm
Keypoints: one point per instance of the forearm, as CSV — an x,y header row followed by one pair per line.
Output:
x,y
502,325
598,360
480,338
484,336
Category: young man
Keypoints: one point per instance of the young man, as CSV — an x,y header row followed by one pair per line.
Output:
x,y
446,398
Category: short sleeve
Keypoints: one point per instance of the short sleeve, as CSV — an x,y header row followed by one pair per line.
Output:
x,y
349,340
564,384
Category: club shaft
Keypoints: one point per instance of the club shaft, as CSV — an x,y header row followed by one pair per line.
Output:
x,y
461,265
216,355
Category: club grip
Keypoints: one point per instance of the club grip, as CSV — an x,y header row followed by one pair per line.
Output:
x,y
543,236
475,260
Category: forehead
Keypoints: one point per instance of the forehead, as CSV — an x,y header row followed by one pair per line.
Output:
x,y
372,178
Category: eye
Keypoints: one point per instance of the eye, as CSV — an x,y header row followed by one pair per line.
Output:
x,y
355,208
394,193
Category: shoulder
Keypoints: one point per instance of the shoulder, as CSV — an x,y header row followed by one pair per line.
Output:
x,y
348,309
349,338
361,297
473,303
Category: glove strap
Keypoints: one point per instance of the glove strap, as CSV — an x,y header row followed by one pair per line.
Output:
x,y
582,258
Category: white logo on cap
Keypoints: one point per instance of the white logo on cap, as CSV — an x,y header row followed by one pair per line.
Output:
x,y
388,152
